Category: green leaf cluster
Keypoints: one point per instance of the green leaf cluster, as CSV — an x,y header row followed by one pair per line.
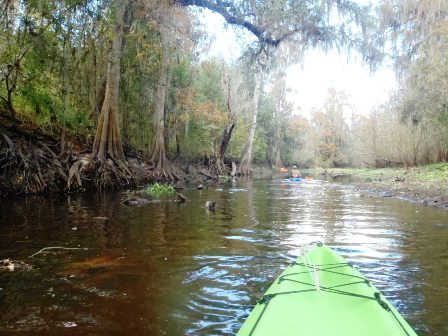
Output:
x,y
160,189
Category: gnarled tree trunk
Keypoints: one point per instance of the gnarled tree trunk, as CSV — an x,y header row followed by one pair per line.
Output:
x,y
223,147
245,167
108,142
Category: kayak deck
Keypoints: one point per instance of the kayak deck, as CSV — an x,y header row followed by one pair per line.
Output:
x,y
322,294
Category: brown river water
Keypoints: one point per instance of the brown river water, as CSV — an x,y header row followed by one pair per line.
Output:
x,y
177,269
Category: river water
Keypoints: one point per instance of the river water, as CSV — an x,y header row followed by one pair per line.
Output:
x,y
177,269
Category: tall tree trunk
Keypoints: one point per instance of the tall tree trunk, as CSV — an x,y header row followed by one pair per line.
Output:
x,y
245,167
10,105
229,128
126,124
10,82
163,168
275,160
274,157
177,144
108,138
65,81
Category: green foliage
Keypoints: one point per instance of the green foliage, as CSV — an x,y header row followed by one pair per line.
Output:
x,y
265,130
208,84
160,189
436,171
331,135
198,113
58,51
261,145
181,74
140,62
442,166
238,139
54,83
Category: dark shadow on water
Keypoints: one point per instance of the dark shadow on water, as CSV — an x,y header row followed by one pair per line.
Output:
x,y
179,269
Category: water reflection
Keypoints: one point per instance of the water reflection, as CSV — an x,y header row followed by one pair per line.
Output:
x,y
178,269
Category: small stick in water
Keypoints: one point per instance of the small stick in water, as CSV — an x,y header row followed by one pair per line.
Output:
x,y
181,197
210,206
58,248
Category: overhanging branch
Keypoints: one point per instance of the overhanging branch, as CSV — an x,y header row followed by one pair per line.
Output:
x,y
260,33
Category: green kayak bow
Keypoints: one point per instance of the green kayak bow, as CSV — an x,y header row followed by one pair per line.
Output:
x,y
321,294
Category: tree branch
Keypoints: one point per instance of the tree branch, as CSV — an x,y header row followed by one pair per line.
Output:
x,y
58,248
260,33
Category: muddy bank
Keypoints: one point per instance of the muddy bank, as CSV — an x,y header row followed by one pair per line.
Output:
x,y
427,185
35,162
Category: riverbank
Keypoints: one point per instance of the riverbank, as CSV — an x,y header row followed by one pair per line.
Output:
x,y
33,161
427,185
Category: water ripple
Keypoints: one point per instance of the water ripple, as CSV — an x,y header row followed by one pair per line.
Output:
x,y
178,269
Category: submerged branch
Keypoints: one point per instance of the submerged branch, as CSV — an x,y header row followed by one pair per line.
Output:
x,y
58,248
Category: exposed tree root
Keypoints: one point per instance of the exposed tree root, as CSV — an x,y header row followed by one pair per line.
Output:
x,y
215,167
109,174
163,169
74,175
245,167
27,165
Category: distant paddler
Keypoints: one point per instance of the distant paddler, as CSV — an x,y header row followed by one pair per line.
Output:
x,y
295,172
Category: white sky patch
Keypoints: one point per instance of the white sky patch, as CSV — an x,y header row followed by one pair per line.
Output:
x,y
226,40
308,82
